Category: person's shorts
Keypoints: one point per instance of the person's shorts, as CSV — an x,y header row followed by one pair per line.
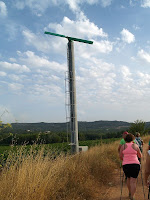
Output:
x,y
131,170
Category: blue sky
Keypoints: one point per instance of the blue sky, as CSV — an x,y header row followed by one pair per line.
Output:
x,y
112,75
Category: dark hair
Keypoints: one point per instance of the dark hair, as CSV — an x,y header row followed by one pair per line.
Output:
x,y
137,134
129,137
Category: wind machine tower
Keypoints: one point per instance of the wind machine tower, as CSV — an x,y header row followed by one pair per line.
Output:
x,y
72,89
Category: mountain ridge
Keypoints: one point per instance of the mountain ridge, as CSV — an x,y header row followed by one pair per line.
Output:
x,y
82,126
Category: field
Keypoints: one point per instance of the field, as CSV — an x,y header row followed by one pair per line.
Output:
x,y
65,147
34,175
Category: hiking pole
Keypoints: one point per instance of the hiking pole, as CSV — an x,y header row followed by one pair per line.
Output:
x,y
142,181
122,186
149,192
120,172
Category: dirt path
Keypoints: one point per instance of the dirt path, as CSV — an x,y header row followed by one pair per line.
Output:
x,y
114,191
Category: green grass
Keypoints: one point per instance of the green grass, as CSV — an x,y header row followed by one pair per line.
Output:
x,y
65,147
4,148
55,148
91,143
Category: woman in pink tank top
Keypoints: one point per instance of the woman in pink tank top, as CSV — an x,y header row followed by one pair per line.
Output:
x,y
129,153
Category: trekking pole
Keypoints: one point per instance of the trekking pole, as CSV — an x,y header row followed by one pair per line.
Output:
x,y
142,153
142,182
120,172
122,186
121,183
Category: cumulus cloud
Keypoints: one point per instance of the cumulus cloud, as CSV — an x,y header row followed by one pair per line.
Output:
x,y
14,67
3,9
83,28
17,78
15,86
36,40
80,28
39,7
126,73
103,75
47,90
144,79
2,73
144,55
12,59
93,51
34,61
106,3
145,3
136,27
75,5
127,36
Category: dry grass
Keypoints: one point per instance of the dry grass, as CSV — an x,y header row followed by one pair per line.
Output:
x,y
34,176
146,139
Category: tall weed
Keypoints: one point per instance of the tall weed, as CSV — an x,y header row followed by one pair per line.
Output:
x,y
36,175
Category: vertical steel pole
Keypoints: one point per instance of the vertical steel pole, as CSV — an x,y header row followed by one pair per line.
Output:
x,y
72,90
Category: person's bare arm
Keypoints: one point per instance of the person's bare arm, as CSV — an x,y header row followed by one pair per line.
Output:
x,y
119,148
135,147
121,153
139,154
147,168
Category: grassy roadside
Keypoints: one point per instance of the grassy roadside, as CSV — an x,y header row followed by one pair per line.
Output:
x,y
36,176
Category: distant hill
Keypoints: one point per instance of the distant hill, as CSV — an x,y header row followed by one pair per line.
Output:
x,y
105,126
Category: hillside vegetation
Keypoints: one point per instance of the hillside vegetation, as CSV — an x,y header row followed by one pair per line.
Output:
x,y
105,126
47,133
36,176
33,175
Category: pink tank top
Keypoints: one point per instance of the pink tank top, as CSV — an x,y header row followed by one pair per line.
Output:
x,y
130,155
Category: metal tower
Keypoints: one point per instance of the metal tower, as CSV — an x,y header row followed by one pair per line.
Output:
x,y
72,89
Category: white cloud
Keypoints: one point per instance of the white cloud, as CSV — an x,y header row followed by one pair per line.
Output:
x,y
81,28
125,72
94,50
16,78
12,29
127,36
144,79
36,40
136,27
145,3
75,5
103,46
13,59
15,86
106,3
2,73
3,9
38,7
104,77
14,67
144,55
48,90
34,61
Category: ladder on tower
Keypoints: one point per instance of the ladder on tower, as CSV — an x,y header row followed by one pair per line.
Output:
x,y
67,104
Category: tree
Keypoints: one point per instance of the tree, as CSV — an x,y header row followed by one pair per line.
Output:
x,y
137,126
5,134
